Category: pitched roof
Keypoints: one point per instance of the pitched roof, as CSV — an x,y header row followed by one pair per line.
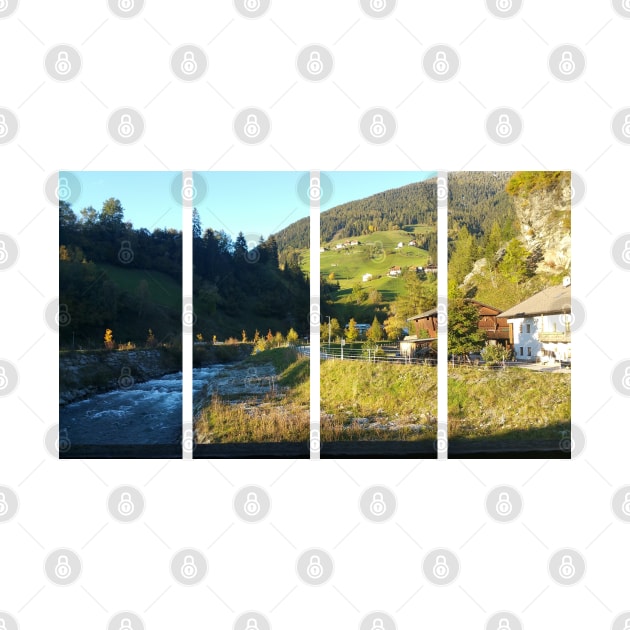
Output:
x,y
431,313
551,300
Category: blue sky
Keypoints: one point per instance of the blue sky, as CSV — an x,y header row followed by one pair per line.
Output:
x,y
145,196
261,203
257,203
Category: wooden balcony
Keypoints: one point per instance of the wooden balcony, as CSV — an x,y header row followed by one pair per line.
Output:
x,y
554,337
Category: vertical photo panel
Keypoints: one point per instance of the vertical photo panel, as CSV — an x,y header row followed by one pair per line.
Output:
x,y
120,304
251,314
378,338
509,314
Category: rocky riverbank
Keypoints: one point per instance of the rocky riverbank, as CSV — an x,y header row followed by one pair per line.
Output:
x,y
86,373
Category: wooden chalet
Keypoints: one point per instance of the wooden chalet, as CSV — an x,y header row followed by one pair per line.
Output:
x,y
496,328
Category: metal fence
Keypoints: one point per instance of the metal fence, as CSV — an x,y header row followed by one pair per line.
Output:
x,y
372,355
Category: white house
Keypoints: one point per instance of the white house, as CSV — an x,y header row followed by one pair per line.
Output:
x,y
339,246
367,277
540,327
399,246
354,243
395,271
413,244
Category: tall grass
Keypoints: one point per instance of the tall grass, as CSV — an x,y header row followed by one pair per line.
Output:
x,y
280,415
378,401
509,403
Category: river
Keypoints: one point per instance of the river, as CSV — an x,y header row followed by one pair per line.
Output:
x,y
144,414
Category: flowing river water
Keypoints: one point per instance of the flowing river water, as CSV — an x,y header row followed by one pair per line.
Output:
x,y
144,414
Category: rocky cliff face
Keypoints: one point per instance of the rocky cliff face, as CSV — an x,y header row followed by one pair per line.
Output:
x,y
545,224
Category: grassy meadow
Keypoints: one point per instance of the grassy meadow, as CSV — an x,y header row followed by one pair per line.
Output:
x,y
377,401
509,404
281,414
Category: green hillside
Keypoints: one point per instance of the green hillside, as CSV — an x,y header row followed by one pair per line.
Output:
x,y
161,288
413,204
376,254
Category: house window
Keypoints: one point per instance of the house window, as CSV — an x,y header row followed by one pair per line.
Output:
x,y
529,351
529,328
521,350
520,328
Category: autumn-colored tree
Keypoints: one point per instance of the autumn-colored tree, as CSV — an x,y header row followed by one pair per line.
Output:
x,y
375,332
269,335
292,337
109,339
244,336
352,333
256,336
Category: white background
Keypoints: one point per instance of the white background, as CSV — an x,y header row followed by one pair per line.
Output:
x,y
314,126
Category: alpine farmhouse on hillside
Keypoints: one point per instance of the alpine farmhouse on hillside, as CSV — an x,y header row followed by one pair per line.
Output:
x,y
540,327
